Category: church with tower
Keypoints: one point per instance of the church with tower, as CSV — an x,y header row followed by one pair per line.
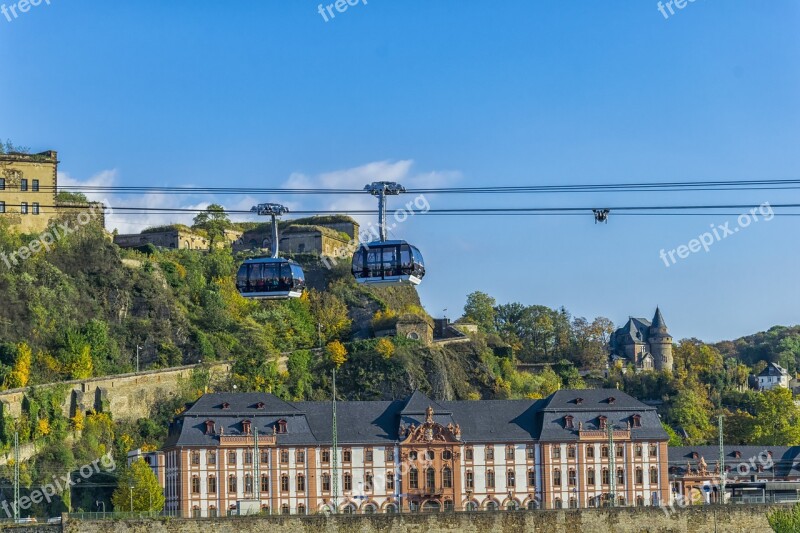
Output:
x,y
644,344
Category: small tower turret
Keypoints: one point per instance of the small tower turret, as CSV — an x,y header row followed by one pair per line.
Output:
x,y
660,343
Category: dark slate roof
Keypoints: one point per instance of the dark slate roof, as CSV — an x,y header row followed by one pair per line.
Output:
x,y
378,422
635,330
658,320
773,369
785,460
586,407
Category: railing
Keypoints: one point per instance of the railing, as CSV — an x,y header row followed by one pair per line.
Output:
x,y
118,515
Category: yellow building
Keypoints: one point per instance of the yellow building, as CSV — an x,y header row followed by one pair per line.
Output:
x,y
28,189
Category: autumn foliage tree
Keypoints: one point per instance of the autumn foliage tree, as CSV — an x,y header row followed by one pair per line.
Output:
x,y
337,353
138,490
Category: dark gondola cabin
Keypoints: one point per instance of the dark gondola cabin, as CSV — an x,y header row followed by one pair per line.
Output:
x,y
269,278
388,262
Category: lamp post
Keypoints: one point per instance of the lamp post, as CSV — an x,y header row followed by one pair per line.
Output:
x,y
98,503
130,490
137,356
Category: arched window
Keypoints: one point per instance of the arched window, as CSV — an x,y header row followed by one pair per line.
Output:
x,y
413,478
621,501
572,477
573,503
511,480
370,509
590,476
390,509
284,483
654,476
447,478
301,482
557,477
212,485
301,508
558,504
326,482
349,509
639,475
491,505
285,508
264,483
640,501
471,506
195,485
605,477
232,484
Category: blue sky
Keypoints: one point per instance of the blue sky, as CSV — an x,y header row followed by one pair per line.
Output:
x,y
459,93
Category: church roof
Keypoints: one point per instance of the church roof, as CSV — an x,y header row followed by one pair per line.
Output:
x,y
658,320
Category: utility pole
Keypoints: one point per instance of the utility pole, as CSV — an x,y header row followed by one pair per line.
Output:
x,y
335,452
722,473
15,503
612,454
137,356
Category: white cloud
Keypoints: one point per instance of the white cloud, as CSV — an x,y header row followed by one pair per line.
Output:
x,y
352,178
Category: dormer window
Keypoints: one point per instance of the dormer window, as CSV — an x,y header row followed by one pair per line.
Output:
x,y
578,401
601,422
636,421
246,427
209,427
280,426
260,405
695,455
226,405
568,422
611,400
737,454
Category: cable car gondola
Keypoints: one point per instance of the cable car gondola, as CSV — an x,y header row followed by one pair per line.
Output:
x,y
270,278
387,262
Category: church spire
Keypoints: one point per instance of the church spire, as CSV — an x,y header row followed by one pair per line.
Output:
x,y
658,320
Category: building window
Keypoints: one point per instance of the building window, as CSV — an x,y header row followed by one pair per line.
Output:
x,y
601,422
212,458
389,452
638,449
231,458
568,424
590,476
531,479
638,476
368,455
368,480
572,477
557,477
639,501
284,456
573,503
248,457
248,483
195,458
2,184
232,484
285,508
447,478
348,481
264,457
412,456
620,451
347,455
264,483
430,479
653,450
558,504
620,477
326,482
23,184
490,453
590,452
301,456
2,207
212,512
284,483
35,208
413,478
301,483
509,453
654,476
301,508
429,455
636,421
389,481
212,485
511,480
447,455
605,478
280,426
470,480
35,185
326,456
530,453
490,479
557,452
195,485
468,454
571,451
23,208
195,512
604,451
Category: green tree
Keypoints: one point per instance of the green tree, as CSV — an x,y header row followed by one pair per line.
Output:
x,y
480,310
776,419
692,411
785,520
21,371
138,490
213,221
330,312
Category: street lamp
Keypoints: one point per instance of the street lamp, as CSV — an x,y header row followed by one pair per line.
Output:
x,y
130,490
137,356
98,503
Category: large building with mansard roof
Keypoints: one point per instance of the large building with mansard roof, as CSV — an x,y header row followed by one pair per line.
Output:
x,y
247,452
